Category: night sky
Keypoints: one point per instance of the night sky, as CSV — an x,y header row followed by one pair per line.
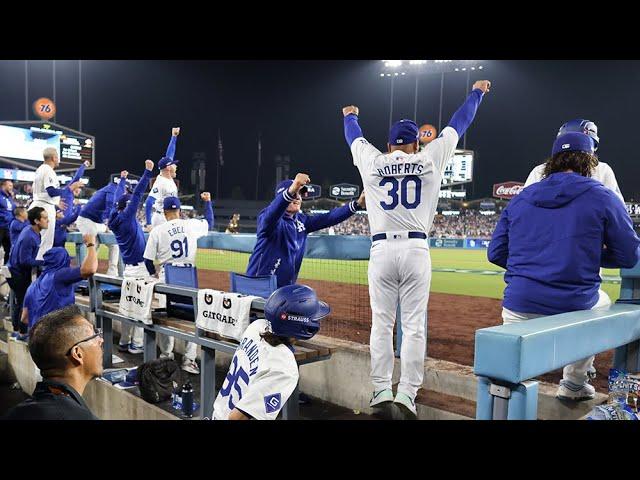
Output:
x,y
130,107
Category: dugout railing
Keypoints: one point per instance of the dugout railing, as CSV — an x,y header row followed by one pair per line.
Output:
x,y
507,357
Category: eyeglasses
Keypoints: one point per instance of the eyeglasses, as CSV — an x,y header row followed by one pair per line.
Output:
x,y
98,333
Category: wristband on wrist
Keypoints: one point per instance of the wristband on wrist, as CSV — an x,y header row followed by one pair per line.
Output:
x,y
89,245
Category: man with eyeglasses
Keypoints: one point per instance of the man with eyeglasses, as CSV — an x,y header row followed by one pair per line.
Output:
x,y
68,351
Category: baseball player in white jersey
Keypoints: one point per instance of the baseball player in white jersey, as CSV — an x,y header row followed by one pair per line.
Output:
x,y
263,372
176,240
164,185
46,194
602,173
402,195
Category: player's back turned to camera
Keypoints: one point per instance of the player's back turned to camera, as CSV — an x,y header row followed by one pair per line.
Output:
x,y
554,237
602,172
263,372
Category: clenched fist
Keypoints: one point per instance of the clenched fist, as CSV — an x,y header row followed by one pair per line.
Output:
x,y
175,131
124,174
350,109
483,85
148,164
301,180
206,196
362,201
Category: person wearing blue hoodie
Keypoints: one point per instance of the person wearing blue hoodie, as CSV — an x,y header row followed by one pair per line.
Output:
x,y
552,240
7,206
54,288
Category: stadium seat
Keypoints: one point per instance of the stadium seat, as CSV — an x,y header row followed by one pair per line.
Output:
x,y
261,286
184,276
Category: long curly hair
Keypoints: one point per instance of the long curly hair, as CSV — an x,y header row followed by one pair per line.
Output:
x,y
580,162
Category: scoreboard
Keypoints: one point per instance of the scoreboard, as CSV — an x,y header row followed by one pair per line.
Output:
x,y
459,168
22,143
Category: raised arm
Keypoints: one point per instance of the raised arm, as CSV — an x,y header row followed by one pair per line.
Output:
x,y
463,117
274,211
208,209
352,129
70,217
314,223
171,149
79,172
112,200
136,196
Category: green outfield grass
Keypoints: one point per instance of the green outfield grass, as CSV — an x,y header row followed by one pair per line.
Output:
x,y
355,271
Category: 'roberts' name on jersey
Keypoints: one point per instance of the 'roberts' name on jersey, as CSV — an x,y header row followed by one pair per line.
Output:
x,y
175,231
400,169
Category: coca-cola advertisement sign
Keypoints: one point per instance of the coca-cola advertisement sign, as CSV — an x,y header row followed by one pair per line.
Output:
x,y
507,190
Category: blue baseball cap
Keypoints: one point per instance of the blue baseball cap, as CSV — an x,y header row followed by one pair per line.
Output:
x,y
403,132
285,184
171,203
123,200
573,142
166,161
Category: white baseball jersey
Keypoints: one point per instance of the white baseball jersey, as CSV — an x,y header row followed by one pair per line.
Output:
x,y
260,380
162,188
603,173
175,241
45,177
402,189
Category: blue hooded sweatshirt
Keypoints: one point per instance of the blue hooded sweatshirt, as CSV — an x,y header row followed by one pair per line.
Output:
x,y
54,288
554,237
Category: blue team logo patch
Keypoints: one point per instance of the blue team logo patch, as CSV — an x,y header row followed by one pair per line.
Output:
x,y
272,403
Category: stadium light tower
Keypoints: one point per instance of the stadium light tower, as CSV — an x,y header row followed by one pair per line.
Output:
x,y
397,68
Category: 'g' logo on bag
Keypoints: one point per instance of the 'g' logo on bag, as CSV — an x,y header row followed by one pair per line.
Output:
x,y
226,303
128,284
138,288
208,298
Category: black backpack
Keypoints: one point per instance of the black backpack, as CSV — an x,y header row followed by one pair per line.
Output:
x,y
158,378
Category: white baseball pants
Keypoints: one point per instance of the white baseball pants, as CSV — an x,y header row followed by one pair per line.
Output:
x,y
399,268
89,227
166,343
574,372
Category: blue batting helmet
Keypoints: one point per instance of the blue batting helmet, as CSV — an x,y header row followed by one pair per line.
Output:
x,y
295,311
573,142
583,126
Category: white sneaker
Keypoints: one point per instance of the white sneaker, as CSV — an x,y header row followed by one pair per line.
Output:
x,y
135,349
190,366
406,405
380,397
167,355
571,391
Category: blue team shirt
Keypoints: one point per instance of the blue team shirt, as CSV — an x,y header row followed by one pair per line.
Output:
x,y
550,240
15,228
125,226
282,238
98,207
51,291
7,205
23,253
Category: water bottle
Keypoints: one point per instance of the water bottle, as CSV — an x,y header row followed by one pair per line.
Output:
x,y
187,400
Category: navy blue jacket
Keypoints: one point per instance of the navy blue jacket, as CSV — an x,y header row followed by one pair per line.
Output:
x,y
15,227
23,253
125,225
282,238
7,205
99,205
551,240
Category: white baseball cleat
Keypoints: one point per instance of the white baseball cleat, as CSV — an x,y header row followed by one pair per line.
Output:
x,y
190,366
574,392
406,405
381,397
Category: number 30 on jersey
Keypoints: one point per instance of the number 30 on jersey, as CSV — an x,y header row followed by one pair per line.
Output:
x,y
399,192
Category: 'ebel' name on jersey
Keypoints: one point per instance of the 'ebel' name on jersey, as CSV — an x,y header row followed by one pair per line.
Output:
x,y
219,317
400,169
135,300
175,231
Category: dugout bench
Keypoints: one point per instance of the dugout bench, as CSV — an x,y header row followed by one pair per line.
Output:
x,y
508,356
106,312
